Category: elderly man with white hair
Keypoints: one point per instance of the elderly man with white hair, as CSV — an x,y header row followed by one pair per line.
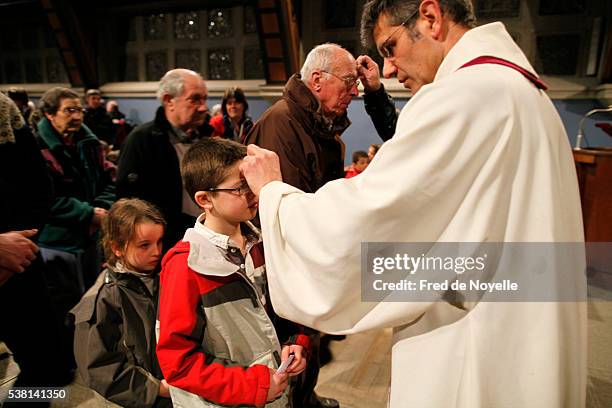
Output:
x,y
150,158
304,129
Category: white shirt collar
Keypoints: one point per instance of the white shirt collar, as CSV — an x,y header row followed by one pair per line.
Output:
x,y
486,40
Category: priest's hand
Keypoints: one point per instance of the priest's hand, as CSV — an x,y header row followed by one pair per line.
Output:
x,y
299,360
368,73
260,167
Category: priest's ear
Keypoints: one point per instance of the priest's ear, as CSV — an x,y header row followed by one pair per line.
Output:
x,y
432,15
203,200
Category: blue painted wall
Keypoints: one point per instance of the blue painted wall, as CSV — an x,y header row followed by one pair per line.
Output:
x,y
361,133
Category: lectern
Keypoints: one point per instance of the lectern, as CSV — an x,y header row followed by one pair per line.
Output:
x,y
594,168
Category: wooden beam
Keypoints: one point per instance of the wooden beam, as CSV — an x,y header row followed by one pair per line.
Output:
x,y
279,39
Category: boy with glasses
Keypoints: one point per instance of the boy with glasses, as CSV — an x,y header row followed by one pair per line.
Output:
x,y
217,343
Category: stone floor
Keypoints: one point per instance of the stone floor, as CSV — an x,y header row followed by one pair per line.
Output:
x,y
359,374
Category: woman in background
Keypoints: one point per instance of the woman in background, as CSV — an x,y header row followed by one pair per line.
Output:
x,y
234,124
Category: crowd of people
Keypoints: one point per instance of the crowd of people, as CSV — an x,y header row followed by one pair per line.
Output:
x,y
138,253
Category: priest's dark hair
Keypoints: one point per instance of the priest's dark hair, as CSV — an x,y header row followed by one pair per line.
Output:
x,y
460,11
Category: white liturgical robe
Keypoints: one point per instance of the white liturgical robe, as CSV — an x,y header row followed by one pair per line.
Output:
x,y
479,155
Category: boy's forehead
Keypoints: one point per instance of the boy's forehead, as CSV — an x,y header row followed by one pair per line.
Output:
x,y
232,172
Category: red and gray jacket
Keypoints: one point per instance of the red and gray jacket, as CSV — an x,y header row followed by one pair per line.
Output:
x,y
216,339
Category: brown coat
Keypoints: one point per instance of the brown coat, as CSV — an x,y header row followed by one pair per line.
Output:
x,y
307,144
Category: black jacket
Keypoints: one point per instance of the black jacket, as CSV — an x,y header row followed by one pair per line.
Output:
x,y
114,339
381,108
149,169
100,123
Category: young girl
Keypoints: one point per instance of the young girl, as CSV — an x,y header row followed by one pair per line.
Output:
x,y
114,341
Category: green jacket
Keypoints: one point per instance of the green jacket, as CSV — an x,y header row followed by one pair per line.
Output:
x,y
80,184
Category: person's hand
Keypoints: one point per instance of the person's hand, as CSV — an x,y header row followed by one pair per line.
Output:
x,y
17,251
299,360
278,383
260,167
164,389
96,221
368,73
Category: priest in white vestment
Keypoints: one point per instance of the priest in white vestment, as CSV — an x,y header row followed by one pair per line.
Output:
x,y
479,155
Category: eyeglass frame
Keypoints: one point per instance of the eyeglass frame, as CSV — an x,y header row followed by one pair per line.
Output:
x,y
385,50
243,186
72,110
354,82
197,100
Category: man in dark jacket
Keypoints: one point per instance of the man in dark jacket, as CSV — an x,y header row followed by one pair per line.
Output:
x,y
149,161
304,129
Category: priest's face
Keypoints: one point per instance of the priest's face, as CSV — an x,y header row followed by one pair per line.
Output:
x,y
409,53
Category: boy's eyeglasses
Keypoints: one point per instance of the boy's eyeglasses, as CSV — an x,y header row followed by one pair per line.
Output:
x,y
387,49
244,189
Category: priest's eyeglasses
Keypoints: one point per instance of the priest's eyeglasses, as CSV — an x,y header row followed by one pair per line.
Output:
x,y
242,190
349,82
387,48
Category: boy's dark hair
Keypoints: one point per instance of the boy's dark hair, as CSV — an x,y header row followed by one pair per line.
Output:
x,y
358,155
120,222
205,164
52,99
238,95
460,11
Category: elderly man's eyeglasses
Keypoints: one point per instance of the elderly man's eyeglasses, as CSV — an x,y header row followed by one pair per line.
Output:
x,y
73,110
349,82
197,100
242,190
387,47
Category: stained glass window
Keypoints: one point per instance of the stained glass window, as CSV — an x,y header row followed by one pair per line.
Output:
x,y
221,63
250,23
56,73
155,27
189,59
157,65
131,68
253,63
187,26
220,23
